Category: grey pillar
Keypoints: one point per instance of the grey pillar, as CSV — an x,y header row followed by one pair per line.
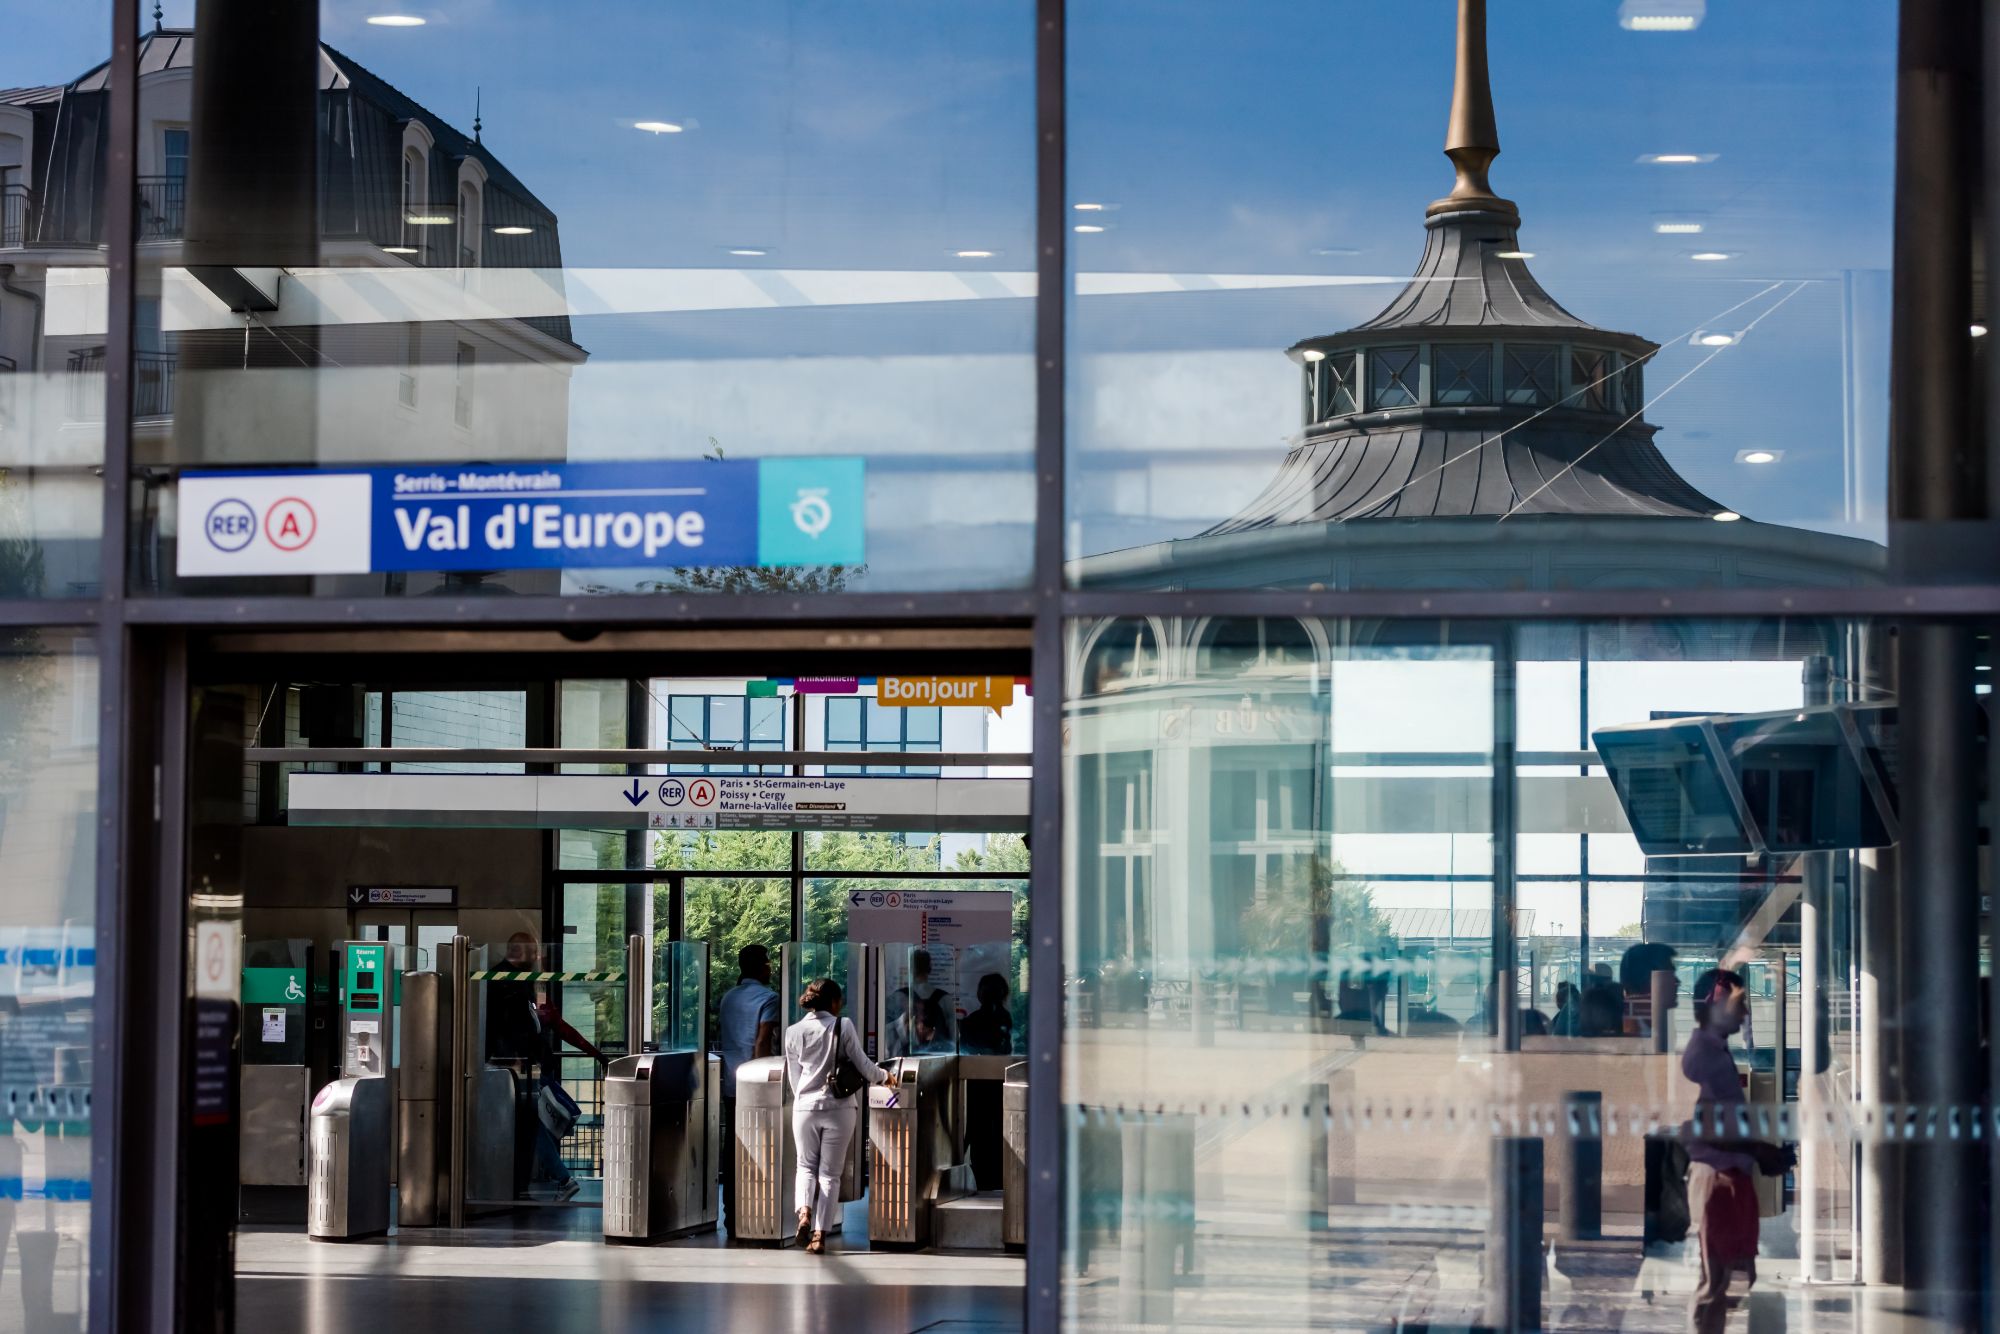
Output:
x,y
1877,932
1582,1203
1665,986
1815,1052
1514,1236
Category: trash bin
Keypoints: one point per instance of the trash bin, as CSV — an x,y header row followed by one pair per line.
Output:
x,y
1014,1157
766,1157
662,1118
348,1185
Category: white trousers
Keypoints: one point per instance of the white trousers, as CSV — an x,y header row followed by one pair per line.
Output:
x,y
822,1135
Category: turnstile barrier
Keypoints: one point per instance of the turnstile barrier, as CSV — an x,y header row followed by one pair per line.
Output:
x,y
348,1179
766,1155
910,1137
1014,1157
662,1124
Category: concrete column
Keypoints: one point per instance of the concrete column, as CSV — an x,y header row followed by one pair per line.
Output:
x,y
1582,1176
1815,1053
1879,1207
1514,1236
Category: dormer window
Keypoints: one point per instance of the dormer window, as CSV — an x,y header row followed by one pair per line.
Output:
x,y
1462,374
1590,379
468,226
1330,388
1393,378
1530,376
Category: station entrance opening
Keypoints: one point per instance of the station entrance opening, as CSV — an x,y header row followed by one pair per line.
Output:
x,y
516,924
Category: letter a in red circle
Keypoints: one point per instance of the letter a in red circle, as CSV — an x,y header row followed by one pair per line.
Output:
x,y
290,523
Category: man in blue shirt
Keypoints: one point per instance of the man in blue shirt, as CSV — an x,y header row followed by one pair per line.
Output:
x,y
747,1029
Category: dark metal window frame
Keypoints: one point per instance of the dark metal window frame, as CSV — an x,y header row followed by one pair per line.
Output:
x,y
137,1141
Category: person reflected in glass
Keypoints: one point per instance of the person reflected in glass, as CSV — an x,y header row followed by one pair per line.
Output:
x,y
1635,979
988,1030
1600,1012
1568,1021
822,1123
922,1030
922,989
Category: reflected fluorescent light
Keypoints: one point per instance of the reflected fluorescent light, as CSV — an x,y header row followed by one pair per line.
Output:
x,y
1662,15
1759,455
1678,228
1088,208
1979,331
657,126
1515,254
747,252
1313,354
1675,159
1334,250
1709,256
973,254
428,219
396,20
1725,516
399,250
1716,339
513,231
1088,228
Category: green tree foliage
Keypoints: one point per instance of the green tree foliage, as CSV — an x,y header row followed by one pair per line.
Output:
x,y
1284,920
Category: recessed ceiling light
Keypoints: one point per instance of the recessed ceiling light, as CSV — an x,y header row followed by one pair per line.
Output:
x,y
973,254
513,231
396,20
1676,159
399,250
1678,228
1088,208
428,219
1757,456
1515,254
1313,354
1725,516
656,126
1709,256
1979,331
1662,15
1716,339
747,252
1088,228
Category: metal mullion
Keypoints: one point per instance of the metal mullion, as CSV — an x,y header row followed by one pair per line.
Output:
x,y
1041,1308
811,874
708,611
48,613
1969,600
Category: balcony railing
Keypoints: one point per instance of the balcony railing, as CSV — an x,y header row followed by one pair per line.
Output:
x,y
17,207
152,384
162,207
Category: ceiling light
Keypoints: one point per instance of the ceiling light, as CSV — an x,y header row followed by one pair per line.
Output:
x,y
428,219
399,250
1709,256
1515,254
1758,455
1662,15
1675,159
1088,208
973,254
1725,516
656,126
1979,331
1313,354
396,20
1716,339
1678,228
747,252
1088,228
513,231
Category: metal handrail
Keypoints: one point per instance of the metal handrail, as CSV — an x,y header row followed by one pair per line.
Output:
x,y
861,759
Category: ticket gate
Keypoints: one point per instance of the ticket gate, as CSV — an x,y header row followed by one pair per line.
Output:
x,y
348,1185
1014,1157
662,1125
766,1156
912,1138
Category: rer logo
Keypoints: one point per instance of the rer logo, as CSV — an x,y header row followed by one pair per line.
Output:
x,y
672,793
290,523
230,526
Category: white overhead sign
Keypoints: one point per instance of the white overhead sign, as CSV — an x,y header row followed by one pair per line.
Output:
x,y
655,801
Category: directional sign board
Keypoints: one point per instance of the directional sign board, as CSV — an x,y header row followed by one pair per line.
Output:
x,y
402,896
567,801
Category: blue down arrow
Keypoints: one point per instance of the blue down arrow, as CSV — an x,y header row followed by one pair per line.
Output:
x,y
637,794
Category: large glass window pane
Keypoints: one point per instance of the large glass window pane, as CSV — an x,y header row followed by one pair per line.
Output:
x,y
53,116
1242,241
719,287
48,843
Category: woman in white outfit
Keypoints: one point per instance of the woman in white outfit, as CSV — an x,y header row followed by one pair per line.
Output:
x,y
822,1125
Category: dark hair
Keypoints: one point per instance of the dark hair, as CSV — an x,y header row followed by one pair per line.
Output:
x,y
1636,969
992,989
1709,984
1565,991
822,994
750,957
931,1013
1600,1011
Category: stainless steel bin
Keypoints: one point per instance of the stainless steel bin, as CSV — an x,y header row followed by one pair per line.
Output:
x,y
766,1157
1014,1157
911,1146
662,1121
348,1185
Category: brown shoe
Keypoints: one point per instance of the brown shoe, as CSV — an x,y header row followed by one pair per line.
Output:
x,y
805,1226
817,1246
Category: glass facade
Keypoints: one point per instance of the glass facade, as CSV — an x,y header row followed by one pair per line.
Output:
x,y
1502,646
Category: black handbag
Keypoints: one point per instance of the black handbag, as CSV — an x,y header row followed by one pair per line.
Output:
x,y
845,1079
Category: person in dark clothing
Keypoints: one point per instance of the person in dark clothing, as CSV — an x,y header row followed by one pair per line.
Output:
x,y
523,1030
988,1030
1635,979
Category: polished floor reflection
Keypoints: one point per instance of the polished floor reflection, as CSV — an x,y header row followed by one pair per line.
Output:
x,y
548,1270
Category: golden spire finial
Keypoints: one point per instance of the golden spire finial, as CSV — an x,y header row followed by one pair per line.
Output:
x,y
1472,140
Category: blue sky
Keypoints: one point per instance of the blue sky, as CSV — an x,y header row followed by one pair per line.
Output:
x,y
1253,136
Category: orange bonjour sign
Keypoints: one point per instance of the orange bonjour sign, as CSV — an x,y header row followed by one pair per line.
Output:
x,y
907,692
